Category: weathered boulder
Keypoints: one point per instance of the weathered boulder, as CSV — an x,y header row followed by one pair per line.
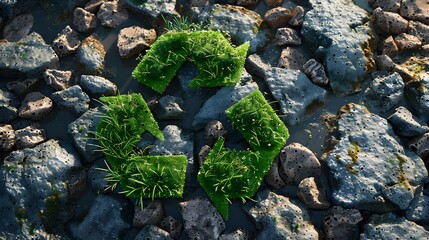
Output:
x,y
29,137
72,99
18,27
389,47
386,5
415,10
97,86
58,79
35,106
388,22
341,223
97,176
112,14
287,36
151,214
172,225
91,55
170,107
385,92
312,195
419,208
153,9
22,87
405,124
67,42
291,58
420,30
316,72
415,91
277,17
10,8
84,21
133,40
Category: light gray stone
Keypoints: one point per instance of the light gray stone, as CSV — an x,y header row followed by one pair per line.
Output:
x,y
35,106
172,225
385,92
151,214
8,98
368,160
133,40
170,107
287,36
419,208
279,218
399,196
407,41
385,63
420,30
22,87
7,137
97,176
57,79
415,10
18,27
316,72
405,124
341,223
153,233
291,58
112,14
312,195
273,178
153,9
202,155
420,145
91,55
67,42
201,219
97,86
29,137
386,5
72,99
256,65
239,234
84,21
415,91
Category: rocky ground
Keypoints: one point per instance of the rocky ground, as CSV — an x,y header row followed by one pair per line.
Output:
x,y
349,79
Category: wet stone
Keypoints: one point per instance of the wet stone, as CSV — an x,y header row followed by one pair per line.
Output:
x,y
93,5
18,27
202,155
8,98
277,17
72,99
29,137
389,47
35,106
419,208
405,124
67,42
341,223
133,40
57,79
112,14
386,5
84,21
297,16
201,219
312,195
77,184
7,113
97,177
407,41
273,178
388,22
170,107
97,86
7,137
420,30
420,145
151,214
11,8
153,233
385,92
415,91
172,226
91,56
415,10
213,130
154,9
287,36
400,196
291,58
316,72
22,87
255,65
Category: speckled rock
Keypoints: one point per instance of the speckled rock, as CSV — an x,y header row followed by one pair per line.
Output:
x,y
67,42
97,177
287,36
151,214
97,86
390,226
368,160
419,208
8,98
400,196
22,87
297,16
80,130
256,65
247,3
385,63
154,8
295,92
133,40
28,57
201,219
415,91
277,17
112,14
389,47
18,27
213,130
420,30
239,234
202,3
72,99
386,5
405,124
77,184
312,195
273,3
407,41
424,50
172,226
341,223
91,55
170,107
316,72
344,49
420,145
273,178
84,21
103,221
29,137
57,79
7,137
202,155
93,5
35,106
385,92
7,113
279,218
415,10
291,58
388,22
10,8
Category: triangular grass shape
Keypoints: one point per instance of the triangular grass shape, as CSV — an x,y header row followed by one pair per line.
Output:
x,y
228,174
217,61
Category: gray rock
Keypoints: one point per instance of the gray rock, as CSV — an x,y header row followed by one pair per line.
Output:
x,y
57,79
82,130
399,196
186,73
287,36
389,47
8,98
256,65
22,87
420,145
11,8
84,21
277,17
112,14
170,107
405,124
369,159
28,57
103,221
91,55
420,30
273,3
29,137
388,22
18,27
296,94
419,208
415,10
7,137
97,86
424,50
153,9
35,106
273,178
93,5
97,176
7,113
202,155
343,48
34,195
153,233
385,92
133,40
312,195
238,234
385,63
279,218
151,214
316,72
67,42
386,5
291,58
213,130
407,41
390,226
341,223
201,219
72,99
241,23
172,226
77,184
415,91
214,108
297,16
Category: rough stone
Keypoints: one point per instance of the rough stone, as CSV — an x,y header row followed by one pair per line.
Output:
x,y
81,129
415,91
273,3
390,226
29,137
91,55
202,155
35,106
93,5
385,63
405,124
419,208
8,98
344,49
18,27
154,9
273,178
312,195
103,221
415,10
97,86
22,87
420,30
97,177
407,41
389,47
388,22
84,21
201,219
153,233
67,42
57,79
247,3
292,59
151,214
72,99
11,8
287,36
7,137
133,40
255,65
297,16
369,159
424,50
385,92
28,57
399,196
316,72
202,3
213,130
7,113
238,234
420,145
341,223
296,94
277,17
172,226
170,107
112,14
386,5
279,218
